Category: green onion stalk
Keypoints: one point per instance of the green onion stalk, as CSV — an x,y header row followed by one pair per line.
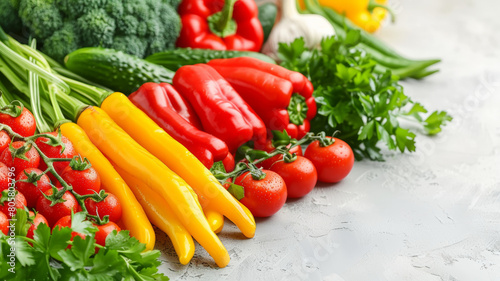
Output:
x,y
30,74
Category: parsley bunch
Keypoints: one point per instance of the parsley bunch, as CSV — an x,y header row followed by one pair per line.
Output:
x,y
49,258
354,98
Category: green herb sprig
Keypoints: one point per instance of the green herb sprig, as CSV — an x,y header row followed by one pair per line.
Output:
x,y
49,257
366,107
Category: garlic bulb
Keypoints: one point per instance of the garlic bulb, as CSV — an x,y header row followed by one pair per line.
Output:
x,y
294,25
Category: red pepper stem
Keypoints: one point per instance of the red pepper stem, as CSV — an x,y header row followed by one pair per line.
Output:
x,y
222,23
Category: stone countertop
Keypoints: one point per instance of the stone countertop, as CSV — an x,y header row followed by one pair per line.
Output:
x,y
429,215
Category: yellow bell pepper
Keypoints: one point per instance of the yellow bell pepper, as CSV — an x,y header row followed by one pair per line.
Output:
x,y
132,158
175,156
367,14
160,213
134,218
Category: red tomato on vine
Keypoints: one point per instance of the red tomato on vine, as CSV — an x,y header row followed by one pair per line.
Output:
x,y
263,197
300,176
333,162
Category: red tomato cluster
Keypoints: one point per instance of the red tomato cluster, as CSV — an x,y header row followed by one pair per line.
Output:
x,y
26,176
295,179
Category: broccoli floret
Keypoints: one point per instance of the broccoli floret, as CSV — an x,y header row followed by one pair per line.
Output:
x,y
62,42
74,8
10,21
156,45
170,21
138,9
130,44
142,29
115,9
127,26
96,28
173,3
41,17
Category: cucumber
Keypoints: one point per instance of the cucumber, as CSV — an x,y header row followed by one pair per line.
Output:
x,y
116,70
267,17
174,59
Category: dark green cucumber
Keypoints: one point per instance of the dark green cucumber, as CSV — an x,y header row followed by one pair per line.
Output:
x,y
174,59
114,69
267,17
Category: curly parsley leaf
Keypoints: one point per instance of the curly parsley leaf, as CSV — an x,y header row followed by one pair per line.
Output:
x,y
354,98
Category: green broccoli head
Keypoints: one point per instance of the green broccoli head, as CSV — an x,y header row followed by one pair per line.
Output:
x,y
41,17
10,21
62,42
130,44
96,28
138,27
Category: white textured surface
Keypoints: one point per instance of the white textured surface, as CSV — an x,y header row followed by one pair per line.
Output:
x,y
430,215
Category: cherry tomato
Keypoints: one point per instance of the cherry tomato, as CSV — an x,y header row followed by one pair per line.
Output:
x,y
55,152
4,177
59,210
228,162
300,176
18,163
32,191
66,222
38,219
103,232
263,197
24,124
83,182
10,207
4,223
333,162
109,206
4,141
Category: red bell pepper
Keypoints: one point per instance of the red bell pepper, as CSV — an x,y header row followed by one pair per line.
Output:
x,y
258,126
161,103
180,105
268,89
300,83
200,85
220,25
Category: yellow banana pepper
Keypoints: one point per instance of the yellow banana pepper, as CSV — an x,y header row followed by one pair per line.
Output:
x,y
367,14
215,219
175,156
160,213
134,219
132,158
